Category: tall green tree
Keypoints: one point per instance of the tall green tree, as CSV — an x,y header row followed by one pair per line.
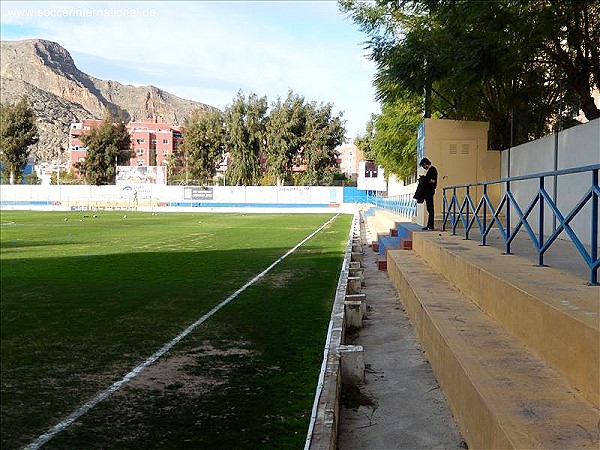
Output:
x,y
203,144
520,65
245,122
364,141
18,132
323,133
108,145
568,35
285,130
394,144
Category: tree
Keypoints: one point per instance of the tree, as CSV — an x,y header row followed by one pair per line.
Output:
x,y
245,130
394,144
364,141
293,133
568,35
18,131
108,145
520,65
323,133
203,144
285,129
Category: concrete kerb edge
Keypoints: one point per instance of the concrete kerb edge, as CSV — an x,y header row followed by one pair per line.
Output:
x,y
324,421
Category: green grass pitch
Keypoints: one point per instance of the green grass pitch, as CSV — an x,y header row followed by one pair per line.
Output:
x,y
85,299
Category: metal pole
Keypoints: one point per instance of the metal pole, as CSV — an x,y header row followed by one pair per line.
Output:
x,y
507,218
555,185
484,234
541,224
594,229
467,226
454,212
556,142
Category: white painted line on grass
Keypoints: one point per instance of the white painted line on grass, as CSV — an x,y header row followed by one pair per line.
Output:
x,y
42,439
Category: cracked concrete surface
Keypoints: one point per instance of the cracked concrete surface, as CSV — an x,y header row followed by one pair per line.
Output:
x,y
400,406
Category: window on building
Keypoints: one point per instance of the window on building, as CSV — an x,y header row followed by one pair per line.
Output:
x,y
140,151
153,141
165,141
140,162
165,152
141,141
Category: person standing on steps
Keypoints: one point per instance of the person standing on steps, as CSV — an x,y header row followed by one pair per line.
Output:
x,y
430,185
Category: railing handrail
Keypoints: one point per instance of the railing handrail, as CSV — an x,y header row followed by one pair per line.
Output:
x,y
476,213
403,204
529,176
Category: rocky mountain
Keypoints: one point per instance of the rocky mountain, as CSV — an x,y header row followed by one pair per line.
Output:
x,y
60,94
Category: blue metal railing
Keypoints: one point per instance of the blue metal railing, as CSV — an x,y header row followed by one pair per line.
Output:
x,y
485,215
402,205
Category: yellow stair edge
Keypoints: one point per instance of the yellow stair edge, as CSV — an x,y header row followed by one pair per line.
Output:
x,y
553,313
501,395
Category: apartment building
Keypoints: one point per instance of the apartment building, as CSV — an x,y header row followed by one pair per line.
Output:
x,y
349,157
153,141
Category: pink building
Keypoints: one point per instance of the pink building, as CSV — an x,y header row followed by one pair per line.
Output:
x,y
349,158
153,141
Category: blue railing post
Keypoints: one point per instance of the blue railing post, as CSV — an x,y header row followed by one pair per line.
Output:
x,y
444,208
541,224
484,234
507,218
594,229
454,211
467,198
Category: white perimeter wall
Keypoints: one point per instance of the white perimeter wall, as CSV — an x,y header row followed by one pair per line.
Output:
x,y
575,147
122,197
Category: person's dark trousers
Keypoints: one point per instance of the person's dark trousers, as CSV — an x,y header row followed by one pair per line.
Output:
x,y
430,212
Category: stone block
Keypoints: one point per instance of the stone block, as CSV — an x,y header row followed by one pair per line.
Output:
x,y
356,257
362,298
353,312
352,364
354,285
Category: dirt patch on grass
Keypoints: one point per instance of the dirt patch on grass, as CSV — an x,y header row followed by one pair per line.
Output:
x,y
284,278
180,370
281,279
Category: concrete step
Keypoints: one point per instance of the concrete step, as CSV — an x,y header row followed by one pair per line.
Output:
x,y
387,219
389,231
376,227
501,394
554,313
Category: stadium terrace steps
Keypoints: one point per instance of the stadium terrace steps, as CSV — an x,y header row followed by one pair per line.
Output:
x,y
554,313
391,232
514,346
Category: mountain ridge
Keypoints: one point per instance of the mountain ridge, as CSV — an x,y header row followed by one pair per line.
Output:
x,y
60,94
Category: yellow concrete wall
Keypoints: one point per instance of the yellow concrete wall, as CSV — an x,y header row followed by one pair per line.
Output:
x,y
458,149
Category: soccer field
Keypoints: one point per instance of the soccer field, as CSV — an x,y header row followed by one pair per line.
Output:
x,y
84,300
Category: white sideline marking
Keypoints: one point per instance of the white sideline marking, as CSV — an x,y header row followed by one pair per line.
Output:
x,y
42,439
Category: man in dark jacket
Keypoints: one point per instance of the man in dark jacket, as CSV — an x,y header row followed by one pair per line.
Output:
x,y
430,183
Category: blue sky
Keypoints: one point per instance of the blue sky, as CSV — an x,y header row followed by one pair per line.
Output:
x,y
208,50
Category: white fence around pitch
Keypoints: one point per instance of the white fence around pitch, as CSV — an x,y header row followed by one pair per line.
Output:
x,y
171,198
